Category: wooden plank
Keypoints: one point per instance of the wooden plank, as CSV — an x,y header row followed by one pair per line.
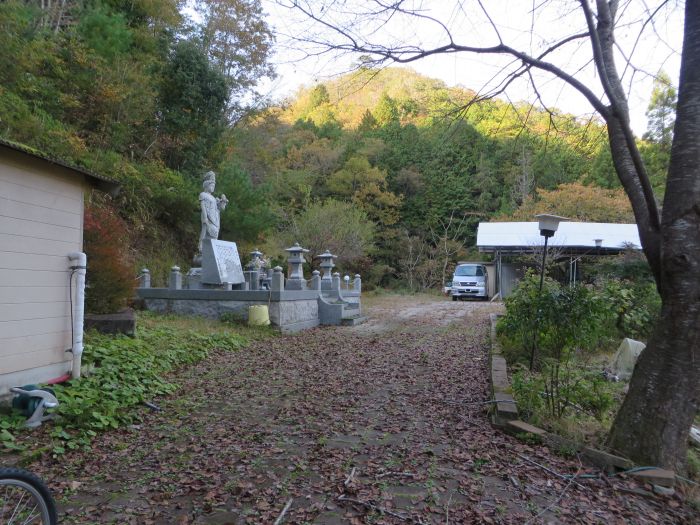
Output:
x,y
25,311
39,230
47,325
33,376
32,359
33,294
35,342
24,261
13,243
40,197
43,214
33,278
34,175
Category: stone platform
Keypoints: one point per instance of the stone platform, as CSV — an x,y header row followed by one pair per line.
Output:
x,y
290,310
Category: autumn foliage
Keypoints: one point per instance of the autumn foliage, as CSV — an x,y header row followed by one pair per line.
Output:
x,y
577,202
110,280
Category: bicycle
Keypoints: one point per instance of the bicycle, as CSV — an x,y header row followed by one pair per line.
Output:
x,y
25,499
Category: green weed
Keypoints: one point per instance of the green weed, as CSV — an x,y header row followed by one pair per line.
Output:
x,y
126,371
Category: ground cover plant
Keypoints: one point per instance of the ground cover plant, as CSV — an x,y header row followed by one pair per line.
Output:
x,y
120,375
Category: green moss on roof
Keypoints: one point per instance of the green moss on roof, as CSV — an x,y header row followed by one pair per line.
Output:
x,y
101,181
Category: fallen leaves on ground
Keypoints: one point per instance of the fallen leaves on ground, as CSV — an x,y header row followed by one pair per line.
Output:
x,y
291,417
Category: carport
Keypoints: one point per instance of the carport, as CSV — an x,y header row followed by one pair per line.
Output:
x,y
572,241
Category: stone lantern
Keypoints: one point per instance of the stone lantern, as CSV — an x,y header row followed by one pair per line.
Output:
x,y
253,270
255,260
327,266
295,268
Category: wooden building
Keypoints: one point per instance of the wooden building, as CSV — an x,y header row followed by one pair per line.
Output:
x,y
41,223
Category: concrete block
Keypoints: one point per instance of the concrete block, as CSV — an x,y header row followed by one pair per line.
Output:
x,y
655,476
605,460
506,409
518,426
123,322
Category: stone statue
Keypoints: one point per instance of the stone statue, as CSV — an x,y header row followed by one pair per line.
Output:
x,y
211,208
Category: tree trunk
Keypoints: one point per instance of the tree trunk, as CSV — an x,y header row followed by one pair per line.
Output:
x,y
652,425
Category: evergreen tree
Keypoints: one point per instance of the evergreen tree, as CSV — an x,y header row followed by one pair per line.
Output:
x,y
661,112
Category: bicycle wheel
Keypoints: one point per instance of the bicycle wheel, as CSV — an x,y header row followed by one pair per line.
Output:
x,y
25,499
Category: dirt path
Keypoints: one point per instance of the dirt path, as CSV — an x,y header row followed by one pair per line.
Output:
x,y
371,424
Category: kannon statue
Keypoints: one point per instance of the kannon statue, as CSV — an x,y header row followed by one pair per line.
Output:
x,y
211,209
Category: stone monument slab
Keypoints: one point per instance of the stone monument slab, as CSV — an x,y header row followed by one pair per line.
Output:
x,y
221,263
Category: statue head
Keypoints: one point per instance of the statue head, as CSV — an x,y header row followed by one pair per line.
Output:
x,y
209,181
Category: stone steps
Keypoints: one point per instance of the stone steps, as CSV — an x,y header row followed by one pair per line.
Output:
x,y
353,320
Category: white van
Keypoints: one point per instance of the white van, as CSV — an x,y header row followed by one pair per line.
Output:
x,y
470,280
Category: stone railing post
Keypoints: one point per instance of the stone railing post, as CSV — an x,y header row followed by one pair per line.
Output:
x,y
315,280
145,278
336,282
252,279
175,278
357,283
277,283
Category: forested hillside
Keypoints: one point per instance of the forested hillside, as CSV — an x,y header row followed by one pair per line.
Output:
x,y
135,91
389,169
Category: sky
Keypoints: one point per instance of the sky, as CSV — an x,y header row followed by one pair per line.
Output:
x,y
513,20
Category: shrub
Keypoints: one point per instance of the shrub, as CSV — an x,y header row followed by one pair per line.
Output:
x,y
110,277
633,306
558,320
561,323
627,287
559,389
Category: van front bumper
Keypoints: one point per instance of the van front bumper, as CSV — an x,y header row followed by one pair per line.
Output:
x,y
468,291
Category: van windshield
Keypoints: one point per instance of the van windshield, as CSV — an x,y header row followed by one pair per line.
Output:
x,y
470,270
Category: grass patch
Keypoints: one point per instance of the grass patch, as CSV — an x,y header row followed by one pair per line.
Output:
x,y
121,373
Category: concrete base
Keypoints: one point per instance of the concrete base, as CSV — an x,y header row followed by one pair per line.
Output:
x,y
123,322
299,326
290,310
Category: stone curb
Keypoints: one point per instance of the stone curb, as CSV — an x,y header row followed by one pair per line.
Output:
x,y
505,417
505,408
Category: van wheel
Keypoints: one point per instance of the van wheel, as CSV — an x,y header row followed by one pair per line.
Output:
x,y
454,297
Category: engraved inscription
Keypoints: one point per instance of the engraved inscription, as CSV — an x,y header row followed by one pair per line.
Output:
x,y
221,263
227,262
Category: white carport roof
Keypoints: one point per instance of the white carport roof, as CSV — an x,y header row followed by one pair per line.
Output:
x,y
571,237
